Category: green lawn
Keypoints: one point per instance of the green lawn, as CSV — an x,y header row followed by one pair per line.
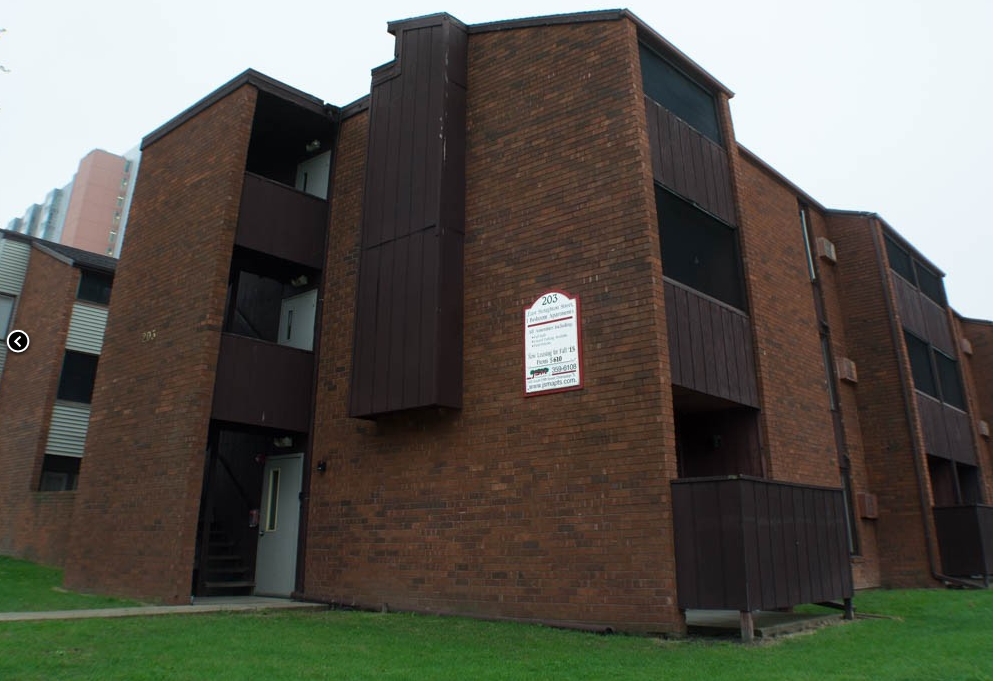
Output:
x,y
935,635
25,587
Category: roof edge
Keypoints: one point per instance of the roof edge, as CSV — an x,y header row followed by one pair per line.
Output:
x,y
757,160
250,77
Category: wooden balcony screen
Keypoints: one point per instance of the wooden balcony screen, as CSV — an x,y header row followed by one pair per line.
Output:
x,y
263,384
710,346
282,221
748,544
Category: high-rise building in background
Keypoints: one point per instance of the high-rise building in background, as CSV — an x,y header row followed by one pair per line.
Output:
x,y
90,212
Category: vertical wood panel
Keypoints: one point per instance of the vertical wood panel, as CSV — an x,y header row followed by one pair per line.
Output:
x,y
946,431
684,522
748,543
710,346
688,163
685,350
384,329
937,325
408,344
709,549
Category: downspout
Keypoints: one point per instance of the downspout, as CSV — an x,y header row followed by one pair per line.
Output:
x,y
931,548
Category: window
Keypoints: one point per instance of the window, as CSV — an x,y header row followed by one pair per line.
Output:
x,y
698,250
922,372
676,92
95,287
898,259
931,284
935,373
917,274
6,314
949,380
59,473
76,382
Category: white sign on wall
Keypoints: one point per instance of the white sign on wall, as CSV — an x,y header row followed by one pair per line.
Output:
x,y
552,344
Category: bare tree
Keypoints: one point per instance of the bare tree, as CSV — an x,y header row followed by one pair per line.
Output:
x,y
3,68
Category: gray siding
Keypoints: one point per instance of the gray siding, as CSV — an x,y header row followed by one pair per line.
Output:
x,y
86,332
68,429
13,265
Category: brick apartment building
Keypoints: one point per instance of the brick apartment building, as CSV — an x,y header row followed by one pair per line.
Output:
x,y
320,371
60,294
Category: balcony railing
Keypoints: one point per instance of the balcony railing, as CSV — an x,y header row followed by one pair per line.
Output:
x,y
282,221
749,544
710,345
263,384
965,540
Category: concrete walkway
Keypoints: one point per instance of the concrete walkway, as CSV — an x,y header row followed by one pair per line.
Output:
x,y
221,604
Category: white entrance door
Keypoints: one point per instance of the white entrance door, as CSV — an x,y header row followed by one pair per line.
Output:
x,y
279,526
296,320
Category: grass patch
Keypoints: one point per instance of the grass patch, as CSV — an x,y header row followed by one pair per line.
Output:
x,y
26,587
932,635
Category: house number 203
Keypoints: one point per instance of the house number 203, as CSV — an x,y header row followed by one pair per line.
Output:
x,y
149,335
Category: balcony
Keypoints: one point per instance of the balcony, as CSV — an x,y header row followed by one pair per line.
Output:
x,y
965,540
263,384
282,221
747,544
710,345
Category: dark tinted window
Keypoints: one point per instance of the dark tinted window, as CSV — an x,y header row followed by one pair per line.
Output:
x,y
76,382
949,380
673,90
699,251
918,356
930,283
899,259
95,287
59,473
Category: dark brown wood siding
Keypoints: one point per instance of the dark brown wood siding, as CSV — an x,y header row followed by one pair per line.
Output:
x,y
282,221
408,326
749,544
947,431
263,384
688,163
922,316
710,346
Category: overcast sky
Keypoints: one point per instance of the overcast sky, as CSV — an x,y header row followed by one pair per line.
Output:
x,y
876,105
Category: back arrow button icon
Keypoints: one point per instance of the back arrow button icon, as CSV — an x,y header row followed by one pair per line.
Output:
x,y
17,341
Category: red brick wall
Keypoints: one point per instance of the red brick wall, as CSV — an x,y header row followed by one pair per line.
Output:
x,y
551,507
141,478
874,340
796,420
35,525
866,564
978,386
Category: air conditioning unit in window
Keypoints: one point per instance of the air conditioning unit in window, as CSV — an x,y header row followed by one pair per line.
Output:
x,y
867,505
826,249
984,429
846,369
966,347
